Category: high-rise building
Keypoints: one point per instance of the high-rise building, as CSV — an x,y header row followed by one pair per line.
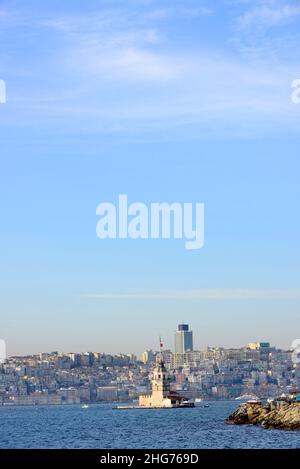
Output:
x,y
183,339
147,357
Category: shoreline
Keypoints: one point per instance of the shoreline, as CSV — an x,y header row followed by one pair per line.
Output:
x,y
278,414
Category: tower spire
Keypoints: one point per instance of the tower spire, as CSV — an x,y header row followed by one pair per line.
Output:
x,y
161,345
160,354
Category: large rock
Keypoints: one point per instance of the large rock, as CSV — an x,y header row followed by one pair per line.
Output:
x,y
281,415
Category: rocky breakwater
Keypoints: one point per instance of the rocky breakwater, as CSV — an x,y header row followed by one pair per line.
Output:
x,y
277,414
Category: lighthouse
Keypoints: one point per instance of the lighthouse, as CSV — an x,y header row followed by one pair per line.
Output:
x,y
160,388
162,396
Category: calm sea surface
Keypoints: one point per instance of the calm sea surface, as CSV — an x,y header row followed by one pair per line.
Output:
x,y
100,426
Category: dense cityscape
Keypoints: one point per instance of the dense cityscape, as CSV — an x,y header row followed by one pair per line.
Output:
x,y
214,373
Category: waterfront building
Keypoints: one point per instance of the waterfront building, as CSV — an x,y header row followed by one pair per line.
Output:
x,y
107,393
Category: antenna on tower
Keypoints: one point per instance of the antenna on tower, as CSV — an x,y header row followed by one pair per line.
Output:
x,y
161,345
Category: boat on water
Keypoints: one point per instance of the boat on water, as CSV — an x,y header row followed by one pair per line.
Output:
x,y
252,402
247,397
200,404
85,406
186,403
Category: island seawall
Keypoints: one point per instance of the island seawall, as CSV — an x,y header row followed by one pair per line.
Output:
x,y
277,414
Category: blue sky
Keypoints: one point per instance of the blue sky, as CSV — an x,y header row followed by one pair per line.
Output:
x,y
164,102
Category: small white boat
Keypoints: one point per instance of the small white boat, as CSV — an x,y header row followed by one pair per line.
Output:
x,y
186,403
247,397
85,406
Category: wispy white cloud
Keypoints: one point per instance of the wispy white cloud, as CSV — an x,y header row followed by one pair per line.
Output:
x,y
114,43
268,14
215,294
107,21
119,70
137,64
169,12
264,32
122,57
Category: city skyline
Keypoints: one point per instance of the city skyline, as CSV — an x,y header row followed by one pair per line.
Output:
x,y
161,346
55,378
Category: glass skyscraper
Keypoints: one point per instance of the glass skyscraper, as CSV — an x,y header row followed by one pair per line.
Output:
x,y
183,339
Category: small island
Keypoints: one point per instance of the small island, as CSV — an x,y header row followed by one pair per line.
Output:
x,y
161,397
282,413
